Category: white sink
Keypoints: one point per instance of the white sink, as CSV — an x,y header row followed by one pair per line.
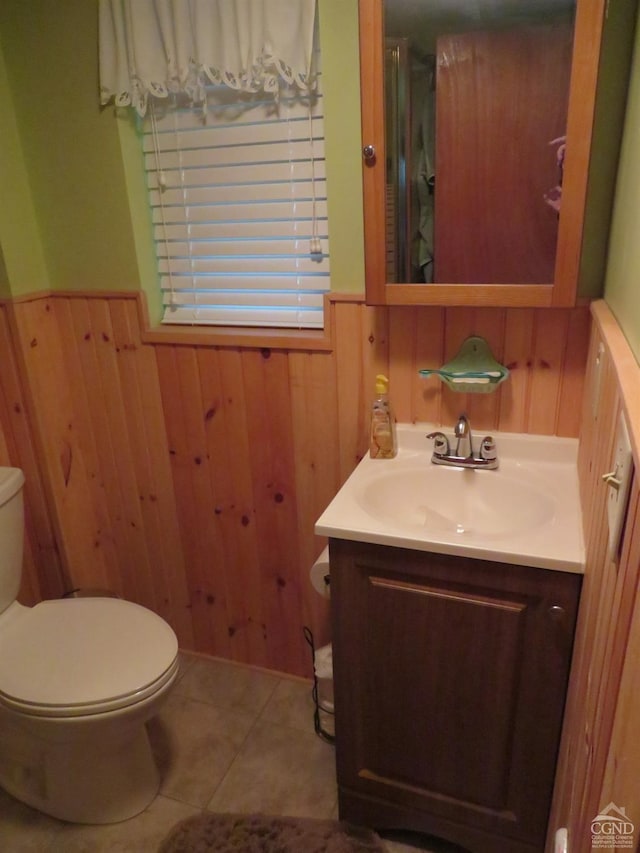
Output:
x,y
526,512
457,501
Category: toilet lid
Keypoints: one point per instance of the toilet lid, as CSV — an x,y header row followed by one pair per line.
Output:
x,y
83,656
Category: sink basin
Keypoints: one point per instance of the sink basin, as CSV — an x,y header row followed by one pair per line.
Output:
x,y
462,502
525,512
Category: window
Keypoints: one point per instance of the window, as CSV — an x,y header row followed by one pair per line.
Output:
x,y
238,198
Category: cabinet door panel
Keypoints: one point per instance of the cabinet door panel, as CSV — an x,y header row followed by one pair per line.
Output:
x,y
450,677
449,685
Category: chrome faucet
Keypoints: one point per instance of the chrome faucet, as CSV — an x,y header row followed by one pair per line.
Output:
x,y
462,431
464,456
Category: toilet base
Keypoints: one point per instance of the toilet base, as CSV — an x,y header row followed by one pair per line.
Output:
x,y
82,779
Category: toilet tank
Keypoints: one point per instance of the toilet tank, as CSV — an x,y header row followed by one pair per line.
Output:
x,y
11,534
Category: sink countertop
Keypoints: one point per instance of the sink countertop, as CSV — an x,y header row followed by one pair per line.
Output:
x,y
527,512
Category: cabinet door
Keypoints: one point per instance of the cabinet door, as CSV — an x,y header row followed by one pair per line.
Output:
x,y
556,283
450,683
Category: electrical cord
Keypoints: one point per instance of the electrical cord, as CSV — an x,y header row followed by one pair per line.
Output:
x,y
317,724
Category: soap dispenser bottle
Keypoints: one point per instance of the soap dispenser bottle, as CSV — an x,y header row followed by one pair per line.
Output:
x,y
383,442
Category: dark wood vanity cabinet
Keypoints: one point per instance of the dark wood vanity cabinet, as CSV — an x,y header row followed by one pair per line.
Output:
x,y
450,680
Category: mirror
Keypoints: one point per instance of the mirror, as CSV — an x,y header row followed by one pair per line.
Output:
x,y
475,115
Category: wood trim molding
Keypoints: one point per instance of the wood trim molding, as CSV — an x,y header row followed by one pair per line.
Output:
x,y
372,126
209,336
354,298
28,297
626,368
482,296
582,102
307,340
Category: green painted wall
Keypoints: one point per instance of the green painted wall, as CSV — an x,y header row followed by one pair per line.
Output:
x,y
22,267
611,98
70,147
87,198
72,208
140,213
341,70
622,282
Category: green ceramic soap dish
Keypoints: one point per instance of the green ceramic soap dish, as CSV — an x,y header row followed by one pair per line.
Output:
x,y
474,370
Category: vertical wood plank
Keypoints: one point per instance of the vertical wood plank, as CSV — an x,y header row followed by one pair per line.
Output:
x,y
573,372
109,403
124,422
402,361
518,358
620,783
204,555
315,422
225,419
43,572
5,456
266,379
350,396
248,545
142,432
121,355
429,354
62,455
550,338
85,383
181,468
483,408
172,598
590,415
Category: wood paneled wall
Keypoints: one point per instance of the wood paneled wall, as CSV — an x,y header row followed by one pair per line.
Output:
x,y
599,758
43,571
188,477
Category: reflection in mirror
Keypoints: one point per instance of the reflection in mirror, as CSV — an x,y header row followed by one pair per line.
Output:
x,y
476,97
397,128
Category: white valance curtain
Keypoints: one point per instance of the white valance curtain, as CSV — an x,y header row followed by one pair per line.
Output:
x,y
159,47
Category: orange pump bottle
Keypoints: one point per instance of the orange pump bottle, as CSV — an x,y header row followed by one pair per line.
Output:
x,y
383,442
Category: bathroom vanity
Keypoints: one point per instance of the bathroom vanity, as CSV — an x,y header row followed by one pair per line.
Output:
x,y
452,639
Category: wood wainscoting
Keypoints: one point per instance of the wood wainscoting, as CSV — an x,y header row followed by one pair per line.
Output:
x,y
42,575
599,760
188,476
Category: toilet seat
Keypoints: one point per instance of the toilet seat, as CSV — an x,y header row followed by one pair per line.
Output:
x,y
83,656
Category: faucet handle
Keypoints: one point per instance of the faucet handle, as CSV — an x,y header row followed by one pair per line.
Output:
x,y
440,443
488,448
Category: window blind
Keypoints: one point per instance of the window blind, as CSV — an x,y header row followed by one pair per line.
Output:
x,y
239,206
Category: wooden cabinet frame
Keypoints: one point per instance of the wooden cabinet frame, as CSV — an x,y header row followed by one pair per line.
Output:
x,y
588,37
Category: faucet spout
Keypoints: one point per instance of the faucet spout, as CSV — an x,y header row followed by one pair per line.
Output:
x,y
462,431
463,456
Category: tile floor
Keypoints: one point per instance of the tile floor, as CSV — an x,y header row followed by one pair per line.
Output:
x,y
228,739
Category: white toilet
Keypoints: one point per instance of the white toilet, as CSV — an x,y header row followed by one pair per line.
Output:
x,y
79,678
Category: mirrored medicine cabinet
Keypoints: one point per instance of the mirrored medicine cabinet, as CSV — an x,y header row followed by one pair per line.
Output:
x,y
477,125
